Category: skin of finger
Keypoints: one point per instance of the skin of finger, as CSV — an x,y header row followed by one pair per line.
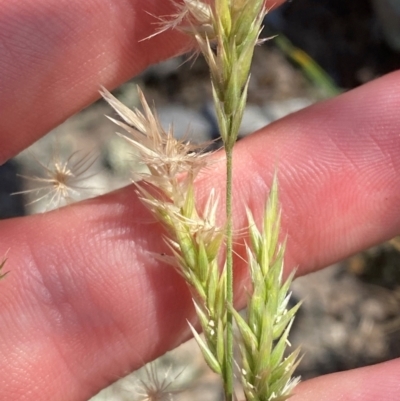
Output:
x,y
85,301
339,165
372,383
55,55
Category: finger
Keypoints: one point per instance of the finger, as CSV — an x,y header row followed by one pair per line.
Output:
x,y
56,54
86,301
338,164
379,382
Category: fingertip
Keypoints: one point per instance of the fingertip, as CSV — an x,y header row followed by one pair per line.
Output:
x,y
372,383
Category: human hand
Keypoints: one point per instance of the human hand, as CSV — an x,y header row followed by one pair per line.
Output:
x,y
84,303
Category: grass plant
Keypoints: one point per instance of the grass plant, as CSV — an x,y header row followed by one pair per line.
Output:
x,y
226,33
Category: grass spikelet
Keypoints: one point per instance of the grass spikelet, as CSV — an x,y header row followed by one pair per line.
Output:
x,y
171,163
266,373
167,190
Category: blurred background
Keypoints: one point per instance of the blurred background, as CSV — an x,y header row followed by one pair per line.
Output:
x,y
350,317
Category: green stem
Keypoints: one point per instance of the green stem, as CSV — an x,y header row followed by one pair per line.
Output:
x,y
229,278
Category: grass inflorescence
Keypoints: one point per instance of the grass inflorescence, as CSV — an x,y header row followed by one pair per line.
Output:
x,y
195,240
226,33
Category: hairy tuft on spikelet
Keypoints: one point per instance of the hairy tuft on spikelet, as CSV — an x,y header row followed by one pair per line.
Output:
x,y
61,180
155,384
171,163
191,17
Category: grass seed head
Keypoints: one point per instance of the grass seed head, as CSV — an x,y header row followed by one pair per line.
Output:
x,y
60,181
168,159
157,384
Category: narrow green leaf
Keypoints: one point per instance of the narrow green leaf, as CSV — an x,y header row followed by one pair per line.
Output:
x,y
264,260
279,348
197,284
238,116
262,361
212,285
209,55
221,296
244,62
274,240
287,367
203,317
187,247
214,246
247,362
243,21
282,381
283,292
280,326
248,337
221,117
224,17
255,236
202,262
232,92
189,206
220,342
207,354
